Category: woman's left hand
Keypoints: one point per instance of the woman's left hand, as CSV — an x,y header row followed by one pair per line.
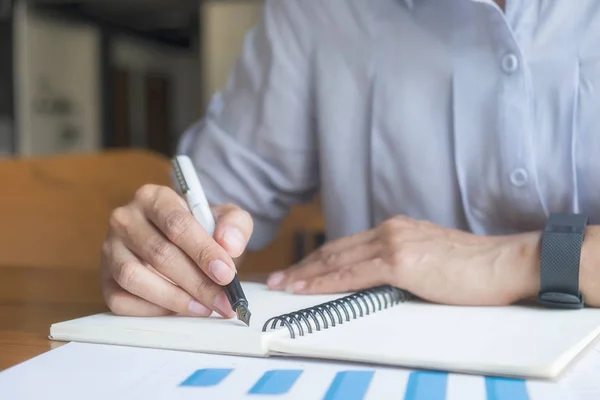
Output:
x,y
434,263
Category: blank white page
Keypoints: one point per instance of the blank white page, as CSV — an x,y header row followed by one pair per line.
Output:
x,y
516,340
214,334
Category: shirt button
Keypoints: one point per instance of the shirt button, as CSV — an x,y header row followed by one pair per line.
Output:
x,y
510,63
519,177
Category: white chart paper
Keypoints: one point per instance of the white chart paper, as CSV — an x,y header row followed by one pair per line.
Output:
x,y
89,371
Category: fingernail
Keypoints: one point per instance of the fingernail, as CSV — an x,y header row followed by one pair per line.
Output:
x,y
198,309
235,240
221,271
297,286
276,279
222,305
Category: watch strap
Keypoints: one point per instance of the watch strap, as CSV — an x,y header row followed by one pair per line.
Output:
x,y
562,241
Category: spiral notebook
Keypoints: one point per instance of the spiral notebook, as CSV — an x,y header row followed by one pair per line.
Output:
x,y
383,325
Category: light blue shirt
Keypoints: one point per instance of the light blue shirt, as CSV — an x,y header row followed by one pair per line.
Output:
x,y
445,110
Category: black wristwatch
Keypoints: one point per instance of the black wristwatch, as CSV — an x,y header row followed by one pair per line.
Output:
x,y
560,256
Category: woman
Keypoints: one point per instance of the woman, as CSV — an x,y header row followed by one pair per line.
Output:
x,y
441,135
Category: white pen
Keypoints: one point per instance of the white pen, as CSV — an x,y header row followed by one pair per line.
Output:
x,y
190,187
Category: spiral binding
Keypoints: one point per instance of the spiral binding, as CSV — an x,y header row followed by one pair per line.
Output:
x,y
352,306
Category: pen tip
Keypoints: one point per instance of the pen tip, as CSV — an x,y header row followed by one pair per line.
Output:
x,y
243,314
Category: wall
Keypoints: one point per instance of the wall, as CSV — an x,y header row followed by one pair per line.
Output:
x,y
6,80
180,65
58,60
58,63
223,24
57,93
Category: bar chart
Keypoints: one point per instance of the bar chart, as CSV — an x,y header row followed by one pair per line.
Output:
x,y
100,372
162,374
355,384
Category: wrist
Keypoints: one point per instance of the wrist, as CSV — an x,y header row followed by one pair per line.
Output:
x,y
521,260
588,270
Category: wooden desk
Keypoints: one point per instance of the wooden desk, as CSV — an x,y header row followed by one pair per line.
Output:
x,y
31,299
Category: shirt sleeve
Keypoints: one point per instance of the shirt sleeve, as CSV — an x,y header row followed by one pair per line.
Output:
x,y
256,145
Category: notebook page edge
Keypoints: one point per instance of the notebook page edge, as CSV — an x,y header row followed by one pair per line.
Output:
x,y
254,343
231,334
543,372
576,352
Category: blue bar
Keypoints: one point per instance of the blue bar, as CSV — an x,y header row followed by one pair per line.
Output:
x,y
424,385
278,381
349,385
506,389
207,377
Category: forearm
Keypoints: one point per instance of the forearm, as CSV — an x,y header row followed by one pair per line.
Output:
x,y
524,258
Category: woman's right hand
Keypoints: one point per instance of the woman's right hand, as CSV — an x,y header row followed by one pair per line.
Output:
x,y
158,260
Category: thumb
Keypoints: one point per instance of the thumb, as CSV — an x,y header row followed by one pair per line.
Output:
x,y
233,228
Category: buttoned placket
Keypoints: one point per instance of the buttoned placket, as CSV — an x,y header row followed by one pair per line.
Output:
x,y
493,121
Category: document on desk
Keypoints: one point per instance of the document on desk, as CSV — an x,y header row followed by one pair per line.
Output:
x,y
95,371
380,326
583,378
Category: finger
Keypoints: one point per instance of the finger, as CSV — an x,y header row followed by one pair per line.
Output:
x,y
162,206
277,279
121,302
326,262
340,245
367,274
233,228
151,246
129,273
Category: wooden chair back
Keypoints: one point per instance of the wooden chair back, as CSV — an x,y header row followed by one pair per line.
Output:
x,y
300,233
54,210
54,215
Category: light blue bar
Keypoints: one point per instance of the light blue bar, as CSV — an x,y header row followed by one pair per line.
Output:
x,y
207,377
278,381
506,389
349,385
426,385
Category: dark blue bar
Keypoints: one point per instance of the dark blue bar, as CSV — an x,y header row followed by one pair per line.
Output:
x,y
349,385
424,385
207,377
506,389
278,381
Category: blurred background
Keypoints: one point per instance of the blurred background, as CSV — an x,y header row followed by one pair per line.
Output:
x,y
94,95
80,79
88,75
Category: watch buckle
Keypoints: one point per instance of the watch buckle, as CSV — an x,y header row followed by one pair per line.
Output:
x,y
561,300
